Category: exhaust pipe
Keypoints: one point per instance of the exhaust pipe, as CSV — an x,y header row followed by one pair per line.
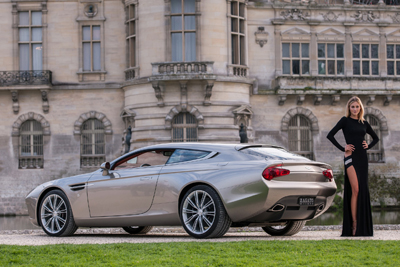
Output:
x,y
320,208
277,207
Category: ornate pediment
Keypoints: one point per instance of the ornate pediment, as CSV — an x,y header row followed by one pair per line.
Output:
x,y
244,110
365,35
393,36
330,34
295,34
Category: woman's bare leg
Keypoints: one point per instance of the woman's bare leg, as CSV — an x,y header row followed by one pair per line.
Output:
x,y
351,173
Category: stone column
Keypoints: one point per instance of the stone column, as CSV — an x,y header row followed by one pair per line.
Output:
x,y
382,52
348,50
278,51
313,51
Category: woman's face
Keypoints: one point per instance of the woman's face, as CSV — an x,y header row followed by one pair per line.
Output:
x,y
354,109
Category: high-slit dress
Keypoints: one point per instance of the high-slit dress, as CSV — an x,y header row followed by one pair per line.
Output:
x,y
354,134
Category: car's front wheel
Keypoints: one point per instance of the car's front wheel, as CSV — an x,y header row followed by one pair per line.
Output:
x,y
137,230
56,216
203,214
287,229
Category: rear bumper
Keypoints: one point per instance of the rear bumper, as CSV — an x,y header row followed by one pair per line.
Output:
x,y
288,209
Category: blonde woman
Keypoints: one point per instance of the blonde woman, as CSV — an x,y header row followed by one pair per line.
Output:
x,y
357,219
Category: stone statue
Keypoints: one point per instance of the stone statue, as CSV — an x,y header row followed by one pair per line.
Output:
x,y
128,139
243,134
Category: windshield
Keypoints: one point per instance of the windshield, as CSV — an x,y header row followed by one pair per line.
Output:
x,y
272,153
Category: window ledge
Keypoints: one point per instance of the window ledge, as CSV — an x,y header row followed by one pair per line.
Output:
x,y
91,76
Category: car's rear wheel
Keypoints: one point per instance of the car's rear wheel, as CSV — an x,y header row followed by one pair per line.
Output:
x,y
56,214
203,214
287,229
136,230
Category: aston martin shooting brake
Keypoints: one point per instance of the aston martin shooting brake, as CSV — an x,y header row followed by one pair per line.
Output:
x,y
206,188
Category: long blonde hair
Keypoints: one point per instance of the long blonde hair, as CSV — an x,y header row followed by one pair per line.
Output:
x,y
361,113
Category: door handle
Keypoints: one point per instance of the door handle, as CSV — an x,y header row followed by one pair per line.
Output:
x,y
145,178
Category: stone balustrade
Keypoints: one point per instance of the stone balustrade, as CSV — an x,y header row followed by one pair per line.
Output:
x,y
182,68
92,160
31,162
238,71
131,74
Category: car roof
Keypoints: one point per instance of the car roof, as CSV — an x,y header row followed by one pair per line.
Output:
x,y
205,146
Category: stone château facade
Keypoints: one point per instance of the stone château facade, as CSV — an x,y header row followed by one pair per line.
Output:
x,y
75,74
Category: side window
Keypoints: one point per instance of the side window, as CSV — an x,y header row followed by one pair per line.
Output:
x,y
181,155
149,158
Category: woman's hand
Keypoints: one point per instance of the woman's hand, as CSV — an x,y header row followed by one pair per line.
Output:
x,y
365,145
348,150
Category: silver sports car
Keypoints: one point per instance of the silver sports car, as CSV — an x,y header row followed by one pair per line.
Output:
x,y
206,188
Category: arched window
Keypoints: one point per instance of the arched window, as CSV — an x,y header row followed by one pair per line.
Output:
x,y
31,145
300,136
375,154
184,128
92,143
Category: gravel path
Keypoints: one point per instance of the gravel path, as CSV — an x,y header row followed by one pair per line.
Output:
x,y
177,234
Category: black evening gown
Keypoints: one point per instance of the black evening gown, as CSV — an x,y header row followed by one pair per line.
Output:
x,y
354,133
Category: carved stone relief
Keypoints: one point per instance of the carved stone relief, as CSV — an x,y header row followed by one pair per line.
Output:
x,y
261,36
365,16
295,14
330,16
395,17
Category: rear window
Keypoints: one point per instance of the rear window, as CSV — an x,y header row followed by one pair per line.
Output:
x,y
272,153
181,155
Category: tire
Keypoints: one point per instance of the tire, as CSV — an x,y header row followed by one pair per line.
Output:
x,y
203,214
55,214
290,228
136,230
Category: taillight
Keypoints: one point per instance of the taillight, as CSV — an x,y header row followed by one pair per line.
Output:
x,y
272,172
328,174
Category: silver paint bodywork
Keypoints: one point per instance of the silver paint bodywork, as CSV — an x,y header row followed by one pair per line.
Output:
x,y
151,195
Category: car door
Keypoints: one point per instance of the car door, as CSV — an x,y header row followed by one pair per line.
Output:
x,y
128,189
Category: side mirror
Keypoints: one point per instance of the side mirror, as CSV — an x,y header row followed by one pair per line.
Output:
x,y
105,166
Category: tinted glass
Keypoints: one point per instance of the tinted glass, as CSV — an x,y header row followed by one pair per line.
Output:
x,y
305,67
340,67
339,50
295,50
285,50
271,153
331,50
296,67
321,66
331,67
374,51
356,67
356,51
304,50
375,67
365,67
365,51
390,67
286,66
181,155
397,51
321,50
390,51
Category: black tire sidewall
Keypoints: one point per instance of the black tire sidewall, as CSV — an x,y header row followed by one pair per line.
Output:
x,y
278,232
217,204
69,211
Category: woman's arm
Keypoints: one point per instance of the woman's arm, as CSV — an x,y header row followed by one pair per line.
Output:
x,y
375,138
331,134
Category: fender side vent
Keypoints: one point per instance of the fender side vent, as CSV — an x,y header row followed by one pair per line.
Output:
x,y
77,187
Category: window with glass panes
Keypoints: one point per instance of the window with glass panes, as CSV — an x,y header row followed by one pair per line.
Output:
x,y
296,58
375,154
131,34
183,30
30,40
184,128
300,136
330,59
238,38
92,138
393,59
91,47
365,59
31,145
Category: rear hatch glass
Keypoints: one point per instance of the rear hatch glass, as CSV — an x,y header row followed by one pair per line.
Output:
x,y
272,153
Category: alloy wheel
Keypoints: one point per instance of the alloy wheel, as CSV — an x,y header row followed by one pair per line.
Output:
x,y
53,213
198,212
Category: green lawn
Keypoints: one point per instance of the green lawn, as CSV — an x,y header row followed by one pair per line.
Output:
x,y
245,253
